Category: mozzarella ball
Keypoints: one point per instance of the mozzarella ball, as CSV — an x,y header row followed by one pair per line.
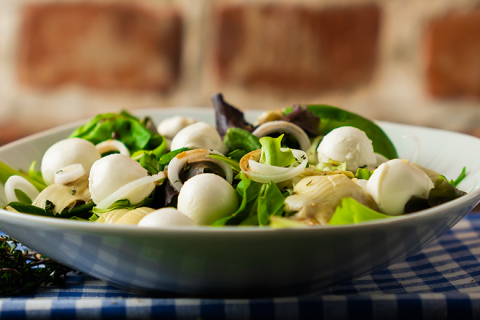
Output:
x,y
166,217
206,198
394,183
171,126
112,172
199,135
65,153
350,145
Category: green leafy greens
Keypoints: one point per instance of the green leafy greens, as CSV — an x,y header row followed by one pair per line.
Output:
x,y
258,202
237,138
6,172
363,173
332,117
147,160
351,211
124,127
273,155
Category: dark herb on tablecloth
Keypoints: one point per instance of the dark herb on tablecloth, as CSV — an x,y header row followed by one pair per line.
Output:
x,y
24,271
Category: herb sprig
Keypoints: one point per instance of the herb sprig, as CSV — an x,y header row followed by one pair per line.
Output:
x,y
24,271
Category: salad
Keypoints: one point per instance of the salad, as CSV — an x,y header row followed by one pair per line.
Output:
x,y
297,167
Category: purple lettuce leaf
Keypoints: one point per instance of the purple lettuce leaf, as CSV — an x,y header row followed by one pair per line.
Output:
x,y
227,116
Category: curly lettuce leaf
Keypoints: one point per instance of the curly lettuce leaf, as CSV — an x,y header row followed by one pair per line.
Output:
x,y
351,211
363,173
273,155
332,117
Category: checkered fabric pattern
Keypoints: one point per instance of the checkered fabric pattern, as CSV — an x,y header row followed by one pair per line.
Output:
x,y
440,282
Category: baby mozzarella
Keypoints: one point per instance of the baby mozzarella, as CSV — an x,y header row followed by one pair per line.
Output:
x,y
166,217
199,135
112,172
394,183
65,153
350,145
206,198
171,126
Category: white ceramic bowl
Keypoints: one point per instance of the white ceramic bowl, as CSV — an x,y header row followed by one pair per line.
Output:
x,y
245,262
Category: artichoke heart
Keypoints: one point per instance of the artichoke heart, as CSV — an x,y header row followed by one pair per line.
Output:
x,y
124,216
315,198
65,196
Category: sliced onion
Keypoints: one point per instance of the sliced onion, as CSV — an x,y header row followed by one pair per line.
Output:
x,y
284,126
265,173
112,145
22,184
126,189
181,159
69,173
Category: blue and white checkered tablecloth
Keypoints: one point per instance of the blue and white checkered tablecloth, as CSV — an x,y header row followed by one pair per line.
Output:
x,y
440,282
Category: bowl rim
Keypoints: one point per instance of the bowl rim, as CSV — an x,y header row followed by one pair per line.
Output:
x,y
131,229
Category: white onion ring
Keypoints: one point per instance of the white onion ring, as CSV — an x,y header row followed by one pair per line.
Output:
x,y
181,159
284,126
20,183
264,173
69,173
122,192
112,145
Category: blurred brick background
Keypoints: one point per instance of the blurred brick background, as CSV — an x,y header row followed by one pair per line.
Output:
x,y
410,61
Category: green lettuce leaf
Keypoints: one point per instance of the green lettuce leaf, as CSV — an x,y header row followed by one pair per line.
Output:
x,y
36,175
147,160
124,204
124,127
270,203
332,117
79,211
443,192
237,138
232,163
22,197
236,154
285,223
273,155
247,193
351,211
363,173
6,172
166,158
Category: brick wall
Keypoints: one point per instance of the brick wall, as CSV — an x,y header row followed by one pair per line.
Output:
x,y
410,61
